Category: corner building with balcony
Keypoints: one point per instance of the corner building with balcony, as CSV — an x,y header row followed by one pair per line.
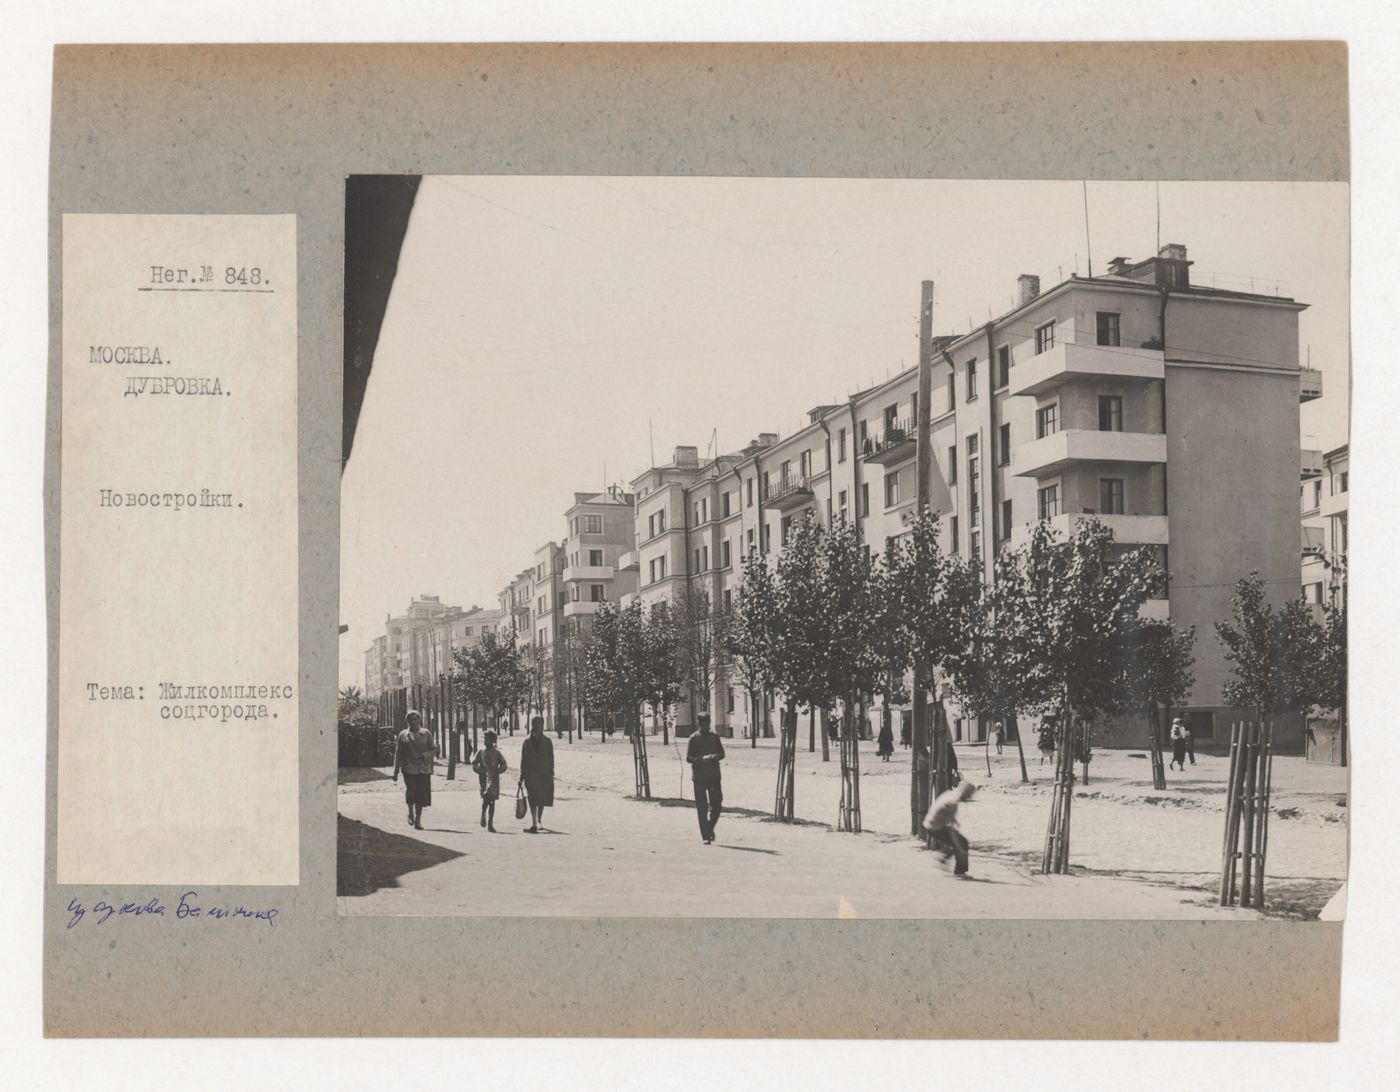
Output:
x,y
1168,411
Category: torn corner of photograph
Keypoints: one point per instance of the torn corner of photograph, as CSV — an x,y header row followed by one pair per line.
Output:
x,y
177,680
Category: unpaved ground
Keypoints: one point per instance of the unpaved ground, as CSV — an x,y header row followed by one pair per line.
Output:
x,y
1136,853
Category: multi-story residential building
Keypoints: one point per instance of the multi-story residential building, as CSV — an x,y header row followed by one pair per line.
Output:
x,y
1326,481
601,531
1115,397
414,649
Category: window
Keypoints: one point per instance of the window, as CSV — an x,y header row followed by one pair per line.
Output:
x,y
841,445
952,534
575,525
952,389
593,525
972,379
748,490
1048,502
804,464
1004,445
889,545
1044,337
728,599
841,504
972,445
1006,519
730,697
540,605
767,538
663,566
785,529
595,557
891,416
1108,328
974,545
1317,493
1047,420
1004,366
750,540
763,492
1110,413
952,464
724,553
651,572
865,437
698,519
698,567
1339,482
914,409
891,490
595,592
704,558
724,504
864,499
786,475
1111,496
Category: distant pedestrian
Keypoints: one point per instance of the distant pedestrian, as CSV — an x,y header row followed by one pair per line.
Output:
x,y
1045,740
704,753
904,730
1190,743
886,741
998,734
413,754
1178,738
942,824
537,771
489,764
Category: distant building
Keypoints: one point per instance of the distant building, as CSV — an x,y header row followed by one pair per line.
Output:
x,y
1323,499
416,647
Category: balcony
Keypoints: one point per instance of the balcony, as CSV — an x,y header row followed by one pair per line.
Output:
x,y
1156,610
628,562
790,493
1311,460
1066,363
1129,530
898,443
580,608
587,572
1053,453
1313,542
1333,504
1309,384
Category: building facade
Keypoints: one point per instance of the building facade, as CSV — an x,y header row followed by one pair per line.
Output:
x,y
1323,499
1115,397
416,646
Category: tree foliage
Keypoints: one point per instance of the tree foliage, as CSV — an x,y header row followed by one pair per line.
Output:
x,y
354,710
1275,652
1158,662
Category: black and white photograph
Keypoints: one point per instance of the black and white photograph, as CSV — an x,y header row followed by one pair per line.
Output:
x,y
843,548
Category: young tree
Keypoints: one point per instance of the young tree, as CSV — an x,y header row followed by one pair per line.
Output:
x,y
660,665
1157,663
849,660
940,597
801,650
1330,684
1066,607
984,677
1274,652
354,710
614,659
890,640
700,644
750,636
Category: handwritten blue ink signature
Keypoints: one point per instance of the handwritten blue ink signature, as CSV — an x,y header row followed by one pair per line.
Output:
x,y
187,908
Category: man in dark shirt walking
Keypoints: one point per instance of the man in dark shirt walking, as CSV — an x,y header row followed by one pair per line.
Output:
x,y
704,753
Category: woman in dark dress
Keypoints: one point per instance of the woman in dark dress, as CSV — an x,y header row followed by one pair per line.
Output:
x,y
537,771
886,747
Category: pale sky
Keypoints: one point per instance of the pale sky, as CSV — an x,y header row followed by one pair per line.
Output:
x,y
540,327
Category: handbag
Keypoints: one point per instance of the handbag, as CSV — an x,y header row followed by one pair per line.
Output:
x,y
520,805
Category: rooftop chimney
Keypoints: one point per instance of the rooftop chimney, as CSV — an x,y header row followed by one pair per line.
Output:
x,y
1175,251
1118,267
687,456
1173,270
1028,287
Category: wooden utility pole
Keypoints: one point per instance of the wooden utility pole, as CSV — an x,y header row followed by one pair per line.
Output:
x,y
919,773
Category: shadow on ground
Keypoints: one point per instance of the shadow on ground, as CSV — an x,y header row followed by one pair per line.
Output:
x,y
368,859
356,775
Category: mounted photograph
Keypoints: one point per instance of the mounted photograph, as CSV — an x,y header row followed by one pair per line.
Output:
x,y
843,548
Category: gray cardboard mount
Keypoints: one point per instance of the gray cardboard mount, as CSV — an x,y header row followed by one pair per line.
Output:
x,y
270,129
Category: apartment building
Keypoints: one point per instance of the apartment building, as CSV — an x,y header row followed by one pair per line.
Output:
x,y
1323,500
1120,397
601,530
416,646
